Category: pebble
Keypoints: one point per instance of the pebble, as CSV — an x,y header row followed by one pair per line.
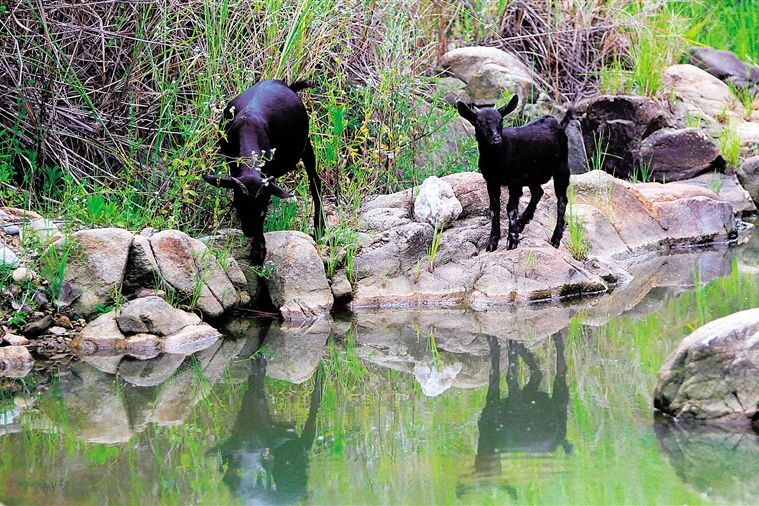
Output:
x,y
22,275
15,340
12,229
57,331
7,257
63,321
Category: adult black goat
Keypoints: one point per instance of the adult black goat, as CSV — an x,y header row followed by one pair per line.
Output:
x,y
264,133
529,155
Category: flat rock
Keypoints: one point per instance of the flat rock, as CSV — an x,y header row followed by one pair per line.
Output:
x,y
298,286
713,375
8,257
703,94
152,372
191,339
725,66
729,188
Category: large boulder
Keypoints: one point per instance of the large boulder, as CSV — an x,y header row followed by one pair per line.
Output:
x,y
748,175
713,375
728,188
95,261
616,125
153,315
298,285
703,95
436,204
673,155
725,66
190,268
488,72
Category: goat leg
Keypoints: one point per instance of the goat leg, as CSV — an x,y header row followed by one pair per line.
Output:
x,y
512,209
536,193
560,184
494,193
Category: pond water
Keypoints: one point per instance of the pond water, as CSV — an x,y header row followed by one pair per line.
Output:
x,y
546,404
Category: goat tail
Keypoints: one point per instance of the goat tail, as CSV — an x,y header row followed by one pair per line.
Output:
x,y
569,116
300,85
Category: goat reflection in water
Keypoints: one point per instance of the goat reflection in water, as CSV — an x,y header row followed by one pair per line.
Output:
x,y
527,423
267,461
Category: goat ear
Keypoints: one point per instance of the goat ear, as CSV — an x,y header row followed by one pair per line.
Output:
x,y
466,111
506,109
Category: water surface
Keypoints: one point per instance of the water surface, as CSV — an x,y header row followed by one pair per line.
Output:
x,y
547,404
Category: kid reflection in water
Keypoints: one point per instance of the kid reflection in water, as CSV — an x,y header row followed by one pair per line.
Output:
x,y
267,461
526,421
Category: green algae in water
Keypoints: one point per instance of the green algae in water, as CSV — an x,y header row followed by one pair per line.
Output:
x,y
562,415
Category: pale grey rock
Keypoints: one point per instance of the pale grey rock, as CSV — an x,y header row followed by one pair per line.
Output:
x,y
153,315
436,203
15,361
748,175
8,257
96,260
102,336
728,188
702,94
152,372
341,287
298,286
22,275
296,351
713,375
191,339
15,340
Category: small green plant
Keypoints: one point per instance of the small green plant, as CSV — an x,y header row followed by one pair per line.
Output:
x,y
578,244
641,172
715,184
265,351
598,157
746,96
264,271
434,246
730,144
693,121
530,261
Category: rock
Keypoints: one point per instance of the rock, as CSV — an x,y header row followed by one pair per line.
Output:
x,y
39,326
729,189
22,275
435,379
15,361
57,331
471,192
617,124
436,203
191,339
95,262
342,290
153,315
489,71
702,94
102,335
452,90
15,340
187,266
674,155
42,231
713,375
298,286
7,257
12,229
577,156
725,66
748,175
143,346
295,352
142,269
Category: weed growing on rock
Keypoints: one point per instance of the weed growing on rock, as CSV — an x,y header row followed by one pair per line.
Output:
x,y
730,144
578,244
434,246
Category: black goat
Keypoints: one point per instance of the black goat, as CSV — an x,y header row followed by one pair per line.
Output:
x,y
264,133
517,157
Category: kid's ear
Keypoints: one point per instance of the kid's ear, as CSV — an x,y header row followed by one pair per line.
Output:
x,y
510,106
466,111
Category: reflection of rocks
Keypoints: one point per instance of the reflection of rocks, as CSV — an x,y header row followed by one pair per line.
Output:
x,y
712,460
95,407
713,375
294,352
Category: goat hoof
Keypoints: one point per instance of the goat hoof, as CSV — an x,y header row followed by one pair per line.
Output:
x,y
492,245
555,241
513,243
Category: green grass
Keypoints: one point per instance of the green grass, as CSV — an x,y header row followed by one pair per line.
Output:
x,y
730,144
578,244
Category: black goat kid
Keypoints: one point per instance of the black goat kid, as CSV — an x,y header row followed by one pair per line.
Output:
x,y
529,155
264,133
